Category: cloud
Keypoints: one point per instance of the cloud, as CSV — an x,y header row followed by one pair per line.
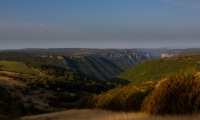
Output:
x,y
193,4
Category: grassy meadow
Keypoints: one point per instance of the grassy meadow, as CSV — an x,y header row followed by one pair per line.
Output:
x,y
18,67
87,114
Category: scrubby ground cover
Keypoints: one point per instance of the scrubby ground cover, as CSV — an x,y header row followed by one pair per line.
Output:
x,y
58,89
177,94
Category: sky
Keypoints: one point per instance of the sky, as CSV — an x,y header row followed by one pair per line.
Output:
x,y
99,23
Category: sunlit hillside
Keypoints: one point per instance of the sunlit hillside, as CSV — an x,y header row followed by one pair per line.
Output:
x,y
160,68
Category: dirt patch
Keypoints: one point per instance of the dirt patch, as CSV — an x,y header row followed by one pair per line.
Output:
x,y
11,82
160,82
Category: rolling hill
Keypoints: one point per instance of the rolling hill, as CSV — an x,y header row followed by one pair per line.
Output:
x,y
160,68
154,85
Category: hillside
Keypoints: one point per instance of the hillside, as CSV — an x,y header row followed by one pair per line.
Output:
x,y
159,68
99,63
39,87
155,84
181,90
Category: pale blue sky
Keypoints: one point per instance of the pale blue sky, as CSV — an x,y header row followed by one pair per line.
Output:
x,y
99,23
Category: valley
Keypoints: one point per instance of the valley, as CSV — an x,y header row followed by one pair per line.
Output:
x,y
117,80
100,60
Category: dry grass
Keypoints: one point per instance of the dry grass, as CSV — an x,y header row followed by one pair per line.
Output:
x,y
105,115
10,82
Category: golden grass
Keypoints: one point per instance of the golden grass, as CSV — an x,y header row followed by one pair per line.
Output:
x,y
18,67
105,115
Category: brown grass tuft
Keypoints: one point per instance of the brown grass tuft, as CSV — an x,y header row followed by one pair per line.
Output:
x,y
105,115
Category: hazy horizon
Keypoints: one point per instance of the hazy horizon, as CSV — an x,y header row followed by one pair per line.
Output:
x,y
167,47
99,24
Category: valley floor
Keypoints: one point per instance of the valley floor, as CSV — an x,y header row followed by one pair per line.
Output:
x,y
105,115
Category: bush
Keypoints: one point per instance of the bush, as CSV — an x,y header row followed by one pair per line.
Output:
x,y
121,99
180,94
10,106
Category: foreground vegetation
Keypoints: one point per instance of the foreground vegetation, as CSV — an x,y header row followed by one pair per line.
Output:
x,y
12,106
106,115
177,94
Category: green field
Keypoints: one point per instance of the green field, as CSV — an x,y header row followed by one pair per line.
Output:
x,y
18,67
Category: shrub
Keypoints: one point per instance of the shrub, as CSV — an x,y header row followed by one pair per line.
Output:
x,y
120,99
180,94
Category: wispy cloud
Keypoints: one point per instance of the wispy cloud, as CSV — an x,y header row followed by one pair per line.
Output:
x,y
192,4
26,25
27,30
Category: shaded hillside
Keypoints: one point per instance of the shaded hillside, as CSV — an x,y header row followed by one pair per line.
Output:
x,y
54,88
159,68
100,64
98,67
